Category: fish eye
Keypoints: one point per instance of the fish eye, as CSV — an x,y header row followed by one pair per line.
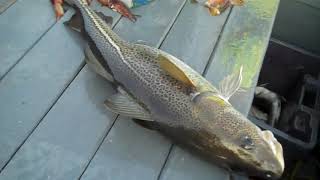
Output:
x,y
247,143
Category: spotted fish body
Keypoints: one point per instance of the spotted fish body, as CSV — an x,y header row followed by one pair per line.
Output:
x,y
188,109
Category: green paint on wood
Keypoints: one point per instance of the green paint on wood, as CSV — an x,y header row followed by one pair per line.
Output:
x,y
244,52
264,9
244,43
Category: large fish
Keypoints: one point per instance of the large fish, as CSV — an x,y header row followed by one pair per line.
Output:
x,y
158,88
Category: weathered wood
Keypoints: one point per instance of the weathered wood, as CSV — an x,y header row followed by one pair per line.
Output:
x,y
243,43
183,165
155,21
5,4
65,140
33,86
28,91
21,26
194,35
129,152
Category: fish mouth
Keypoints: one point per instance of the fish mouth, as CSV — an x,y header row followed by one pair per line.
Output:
x,y
275,147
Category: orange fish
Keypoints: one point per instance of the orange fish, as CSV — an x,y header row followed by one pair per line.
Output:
x,y
120,7
216,7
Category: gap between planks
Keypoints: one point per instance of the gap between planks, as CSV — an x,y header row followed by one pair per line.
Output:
x,y
98,147
58,96
27,51
206,68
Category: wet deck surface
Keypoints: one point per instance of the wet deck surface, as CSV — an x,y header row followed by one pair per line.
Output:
x,y
53,124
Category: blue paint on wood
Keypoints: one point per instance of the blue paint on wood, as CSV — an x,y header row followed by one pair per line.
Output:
x,y
194,35
28,91
129,152
65,140
21,26
183,165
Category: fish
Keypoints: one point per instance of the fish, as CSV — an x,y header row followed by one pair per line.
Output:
x,y
163,93
120,7
216,7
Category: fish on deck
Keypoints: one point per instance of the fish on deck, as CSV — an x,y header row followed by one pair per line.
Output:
x,y
157,88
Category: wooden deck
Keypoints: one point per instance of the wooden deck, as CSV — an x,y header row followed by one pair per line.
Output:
x,y
53,124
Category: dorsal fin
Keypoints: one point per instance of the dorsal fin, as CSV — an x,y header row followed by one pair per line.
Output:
x,y
230,84
174,71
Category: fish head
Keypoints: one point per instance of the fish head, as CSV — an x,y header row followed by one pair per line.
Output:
x,y
242,144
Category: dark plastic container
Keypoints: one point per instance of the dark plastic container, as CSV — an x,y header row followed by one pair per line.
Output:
x,y
277,73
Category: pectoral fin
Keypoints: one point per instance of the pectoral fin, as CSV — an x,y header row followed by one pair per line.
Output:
x,y
230,84
174,70
126,106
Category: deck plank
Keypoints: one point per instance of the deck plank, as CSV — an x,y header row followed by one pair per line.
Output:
x,y
243,43
21,26
65,140
28,91
194,35
130,151
183,165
